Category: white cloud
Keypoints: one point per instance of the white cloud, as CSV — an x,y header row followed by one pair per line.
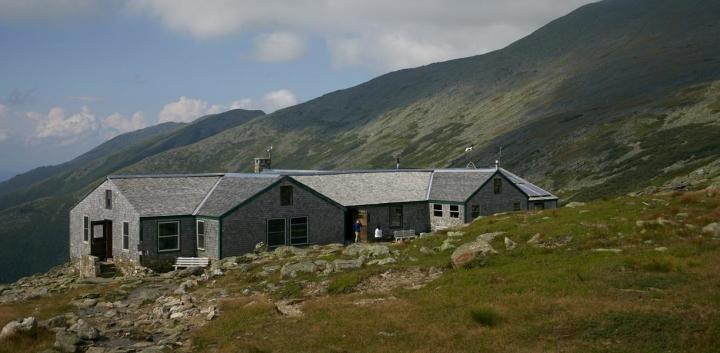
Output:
x,y
66,129
186,110
377,34
278,47
269,103
117,124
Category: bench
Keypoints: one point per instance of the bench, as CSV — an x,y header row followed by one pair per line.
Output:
x,y
191,262
405,234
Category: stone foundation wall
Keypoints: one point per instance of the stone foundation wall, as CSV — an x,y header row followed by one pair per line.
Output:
x,y
88,266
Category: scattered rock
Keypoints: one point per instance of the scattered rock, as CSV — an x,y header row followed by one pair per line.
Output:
x,y
27,325
661,249
509,244
615,251
447,244
575,204
341,265
427,251
534,240
382,262
66,341
455,234
291,270
488,237
54,322
468,252
285,251
367,250
94,349
289,308
85,331
712,229
260,247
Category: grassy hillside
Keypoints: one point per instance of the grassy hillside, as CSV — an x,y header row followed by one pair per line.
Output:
x,y
34,206
653,289
629,274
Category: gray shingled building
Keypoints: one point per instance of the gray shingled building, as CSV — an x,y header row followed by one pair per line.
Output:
x,y
152,219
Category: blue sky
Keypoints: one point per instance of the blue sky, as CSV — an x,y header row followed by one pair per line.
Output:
x,y
74,73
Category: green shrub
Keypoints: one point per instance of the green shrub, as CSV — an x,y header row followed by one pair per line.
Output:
x,y
486,316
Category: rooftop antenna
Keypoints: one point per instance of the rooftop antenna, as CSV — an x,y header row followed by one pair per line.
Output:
x,y
268,149
397,162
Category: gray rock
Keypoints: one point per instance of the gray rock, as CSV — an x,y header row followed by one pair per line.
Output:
x,y
94,349
447,245
85,331
367,250
615,251
285,251
534,240
260,247
712,229
27,325
290,308
290,270
54,322
455,234
575,204
488,237
427,251
509,244
66,341
341,265
468,252
382,262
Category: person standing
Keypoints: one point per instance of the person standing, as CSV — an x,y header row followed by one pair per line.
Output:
x,y
357,227
378,234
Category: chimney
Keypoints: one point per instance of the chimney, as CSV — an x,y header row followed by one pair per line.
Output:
x,y
497,164
262,164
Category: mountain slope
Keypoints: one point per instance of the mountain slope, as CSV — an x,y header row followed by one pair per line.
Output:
x,y
590,99
34,206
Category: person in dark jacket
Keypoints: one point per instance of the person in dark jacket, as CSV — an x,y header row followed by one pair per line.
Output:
x,y
357,227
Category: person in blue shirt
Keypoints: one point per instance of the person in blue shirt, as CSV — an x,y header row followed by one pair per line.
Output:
x,y
357,227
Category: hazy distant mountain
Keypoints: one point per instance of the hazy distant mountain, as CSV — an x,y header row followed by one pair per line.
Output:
x,y
616,96
34,206
6,174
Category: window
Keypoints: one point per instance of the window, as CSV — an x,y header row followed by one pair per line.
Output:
x,y
108,199
298,230
276,232
126,235
437,210
516,206
86,228
396,213
200,235
168,236
286,195
497,185
454,211
475,211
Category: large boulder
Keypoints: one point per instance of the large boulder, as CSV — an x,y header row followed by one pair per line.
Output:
x,y
291,269
66,341
25,326
367,250
469,252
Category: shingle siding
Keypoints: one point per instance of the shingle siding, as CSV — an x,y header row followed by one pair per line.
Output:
x,y
244,227
151,256
93,206
491,203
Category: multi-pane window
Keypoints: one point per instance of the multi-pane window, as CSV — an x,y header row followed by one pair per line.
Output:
x,y
516,206
108,199
474,211
497,185
168,236
396,214
126,235
437,210
201,235
86,228
454,211
276,232
298,230
286,195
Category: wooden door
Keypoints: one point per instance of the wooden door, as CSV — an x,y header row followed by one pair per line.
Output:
x,y
363,217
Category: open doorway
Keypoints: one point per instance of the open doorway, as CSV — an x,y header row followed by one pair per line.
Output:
x,y
101,239
354,215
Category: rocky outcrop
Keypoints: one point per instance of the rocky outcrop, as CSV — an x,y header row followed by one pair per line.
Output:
x,y
712,229
469,252
27,326
366,250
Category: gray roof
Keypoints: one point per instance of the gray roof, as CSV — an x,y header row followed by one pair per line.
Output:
x,y
233,190
530,189
368,188
165,195
457,185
